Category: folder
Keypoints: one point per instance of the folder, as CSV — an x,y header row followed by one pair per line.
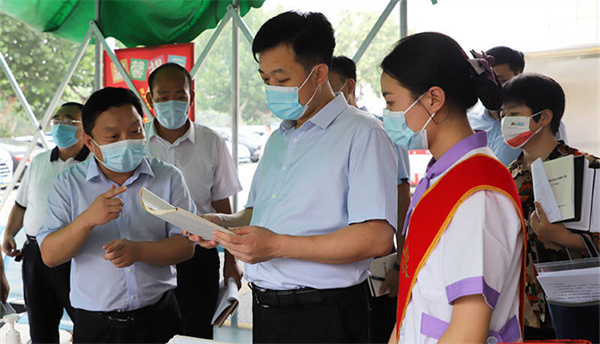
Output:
x,y
227,302
177,216
379,268
589,219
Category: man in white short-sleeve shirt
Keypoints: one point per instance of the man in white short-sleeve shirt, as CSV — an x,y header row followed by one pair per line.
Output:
x,y
46,289
201,155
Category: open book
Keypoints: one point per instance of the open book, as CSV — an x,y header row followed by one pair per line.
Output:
x,y
379,269
227,302
177,216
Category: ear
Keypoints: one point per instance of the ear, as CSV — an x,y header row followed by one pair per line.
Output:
x,y
192,96
149,100
87,140
546,117
434,99
322,72
351,84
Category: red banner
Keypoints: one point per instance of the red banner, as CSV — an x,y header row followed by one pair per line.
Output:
x,y
140,62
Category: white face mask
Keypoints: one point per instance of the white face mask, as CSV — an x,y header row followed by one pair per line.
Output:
x,y
515,130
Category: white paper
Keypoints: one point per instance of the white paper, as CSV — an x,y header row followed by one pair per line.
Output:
x,y
177,216
542,191
561,177
228,298
379,269
571,286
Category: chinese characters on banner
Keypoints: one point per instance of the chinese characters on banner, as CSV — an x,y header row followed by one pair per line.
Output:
x,y
140,62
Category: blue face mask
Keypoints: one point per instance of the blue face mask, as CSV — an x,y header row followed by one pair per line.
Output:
x,y
172,114
64,135
397,129
123,156
283,101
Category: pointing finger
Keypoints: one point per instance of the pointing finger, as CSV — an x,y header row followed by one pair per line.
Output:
x,y
112,192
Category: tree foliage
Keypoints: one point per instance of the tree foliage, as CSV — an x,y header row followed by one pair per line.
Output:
x,y
39,62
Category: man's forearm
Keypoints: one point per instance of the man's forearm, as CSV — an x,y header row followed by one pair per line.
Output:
x,y
15,221
173,250
350,244
61,246
239,219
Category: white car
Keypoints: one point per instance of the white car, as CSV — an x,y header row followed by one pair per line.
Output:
x,y
6,168
243,152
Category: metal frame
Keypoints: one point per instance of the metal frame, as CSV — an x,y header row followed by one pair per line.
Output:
x,y
378,24
15,86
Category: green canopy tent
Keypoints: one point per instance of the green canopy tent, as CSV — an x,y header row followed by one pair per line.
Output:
x,y
132,22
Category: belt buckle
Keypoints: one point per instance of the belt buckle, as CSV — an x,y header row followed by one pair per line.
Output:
x,y
258,292
121,323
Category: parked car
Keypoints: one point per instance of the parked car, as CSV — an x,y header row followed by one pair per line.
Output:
x,y
6,168
253,144
17,149
243,152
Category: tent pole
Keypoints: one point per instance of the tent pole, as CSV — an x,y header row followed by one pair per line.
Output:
x,y
210,44
235,89
47,115
98,82
15,86
403,17
242,26
111,54
365,44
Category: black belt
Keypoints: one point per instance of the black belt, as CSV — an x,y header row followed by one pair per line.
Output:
x,y
130,319
31,240
268,298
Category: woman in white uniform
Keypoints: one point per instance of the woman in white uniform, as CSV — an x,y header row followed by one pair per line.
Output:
x,y
461,275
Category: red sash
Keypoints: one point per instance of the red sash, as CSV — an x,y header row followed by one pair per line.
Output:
x,y
437,207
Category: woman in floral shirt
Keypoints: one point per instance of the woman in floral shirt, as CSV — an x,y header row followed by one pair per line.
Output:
x,y
532,110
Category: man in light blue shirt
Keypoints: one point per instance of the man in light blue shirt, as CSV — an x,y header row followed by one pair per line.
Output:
x,y
122,272
323,198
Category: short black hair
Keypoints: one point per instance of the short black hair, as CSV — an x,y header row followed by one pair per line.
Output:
x,y
310,35
344,66
538,92
514,58
104,99
74,104
168,65
423,60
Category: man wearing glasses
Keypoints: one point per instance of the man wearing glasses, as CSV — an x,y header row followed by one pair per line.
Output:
x,y
46,289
